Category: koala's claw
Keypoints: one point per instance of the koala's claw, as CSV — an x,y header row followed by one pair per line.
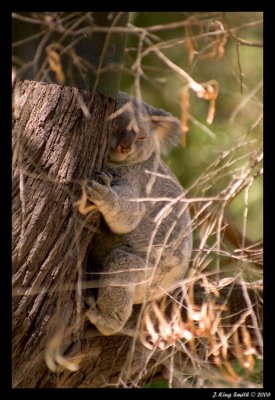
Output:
x,y
104,178
96,191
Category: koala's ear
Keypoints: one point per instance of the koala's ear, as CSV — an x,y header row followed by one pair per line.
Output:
x,y
122,99
166,127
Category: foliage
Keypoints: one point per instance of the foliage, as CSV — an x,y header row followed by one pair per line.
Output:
x,y
221,163
239,72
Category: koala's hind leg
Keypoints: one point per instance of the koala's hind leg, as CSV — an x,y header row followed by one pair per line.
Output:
x,y
115,299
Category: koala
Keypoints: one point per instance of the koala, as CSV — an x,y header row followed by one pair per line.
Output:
x,y
143,247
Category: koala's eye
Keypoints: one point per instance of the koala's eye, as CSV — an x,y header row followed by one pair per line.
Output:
x,y
141,137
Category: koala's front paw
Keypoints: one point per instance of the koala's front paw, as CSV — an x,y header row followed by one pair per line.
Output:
x,y
100,189
104,178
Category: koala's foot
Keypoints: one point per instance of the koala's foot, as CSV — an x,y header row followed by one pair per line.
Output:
x,y
104,325
107,325
112,310
119,291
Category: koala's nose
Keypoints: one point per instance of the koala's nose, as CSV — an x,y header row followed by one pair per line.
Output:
x,y
122,149
125,142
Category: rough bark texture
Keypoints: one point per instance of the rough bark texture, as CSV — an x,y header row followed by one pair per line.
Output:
x,y
54,149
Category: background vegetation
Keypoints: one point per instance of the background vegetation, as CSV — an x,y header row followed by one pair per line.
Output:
x,y
216,156
239,108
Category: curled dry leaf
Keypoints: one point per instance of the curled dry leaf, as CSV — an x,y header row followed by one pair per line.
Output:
x,y
55,64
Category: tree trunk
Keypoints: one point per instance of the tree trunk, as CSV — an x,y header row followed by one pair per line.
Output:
x,y
55,148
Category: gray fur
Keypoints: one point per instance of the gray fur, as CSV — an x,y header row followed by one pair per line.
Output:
x,y
141,257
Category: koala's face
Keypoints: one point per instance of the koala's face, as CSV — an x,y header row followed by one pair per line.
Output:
x,y
140,129
132,141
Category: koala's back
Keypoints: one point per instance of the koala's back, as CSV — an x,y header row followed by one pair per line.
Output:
x,y
163,237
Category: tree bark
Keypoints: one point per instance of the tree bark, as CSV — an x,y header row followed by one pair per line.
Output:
x,y
55,148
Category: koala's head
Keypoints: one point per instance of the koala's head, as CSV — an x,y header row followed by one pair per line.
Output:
x,y
140,129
